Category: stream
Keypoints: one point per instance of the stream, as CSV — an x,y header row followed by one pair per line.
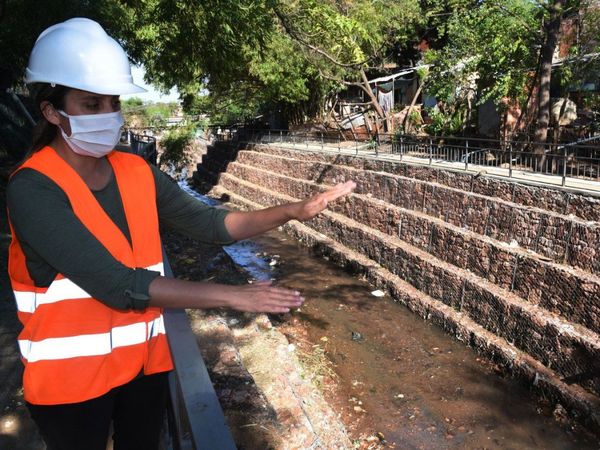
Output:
x,y
401,380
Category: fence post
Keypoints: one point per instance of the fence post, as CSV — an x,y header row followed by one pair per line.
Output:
x,y
430,151
564,174
401,146
321,141
280,136
510,158
467,156
339,144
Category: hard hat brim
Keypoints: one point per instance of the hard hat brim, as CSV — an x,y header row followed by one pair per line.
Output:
x,y
128,88
109,89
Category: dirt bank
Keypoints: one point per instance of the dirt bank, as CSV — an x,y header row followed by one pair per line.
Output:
x,y
267,396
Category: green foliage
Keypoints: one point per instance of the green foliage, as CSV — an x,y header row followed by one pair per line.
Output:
x,y
253,56
140,114
444,122
174,144
281,70
489,51
340,37
131,104
187,44
234,107
236,59
415,117
303,58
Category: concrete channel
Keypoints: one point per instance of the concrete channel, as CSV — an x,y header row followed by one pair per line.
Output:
x,y
396,380
509,268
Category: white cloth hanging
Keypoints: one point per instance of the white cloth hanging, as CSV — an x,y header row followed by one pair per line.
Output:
x,y
386,100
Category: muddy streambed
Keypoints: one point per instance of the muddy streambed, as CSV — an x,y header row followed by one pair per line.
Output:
x,y
401,382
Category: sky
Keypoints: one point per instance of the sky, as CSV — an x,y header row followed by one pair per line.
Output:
x,y
152,95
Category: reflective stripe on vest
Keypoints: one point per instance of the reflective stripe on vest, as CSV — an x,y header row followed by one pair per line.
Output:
x,y
59,290
75,347
91,344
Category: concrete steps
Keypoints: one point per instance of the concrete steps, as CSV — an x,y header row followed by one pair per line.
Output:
x,y
548,337
525,277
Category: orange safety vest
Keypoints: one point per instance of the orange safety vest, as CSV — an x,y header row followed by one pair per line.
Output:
x,y
73,346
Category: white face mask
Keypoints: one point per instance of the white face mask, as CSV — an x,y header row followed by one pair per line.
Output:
x,y
93,134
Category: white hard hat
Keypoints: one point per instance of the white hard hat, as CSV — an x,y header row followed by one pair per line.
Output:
x,y
79,54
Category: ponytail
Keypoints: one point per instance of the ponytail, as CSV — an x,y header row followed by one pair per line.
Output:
x,y
44,132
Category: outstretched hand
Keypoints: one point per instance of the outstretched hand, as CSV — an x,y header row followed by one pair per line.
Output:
x,y
309,208
262,296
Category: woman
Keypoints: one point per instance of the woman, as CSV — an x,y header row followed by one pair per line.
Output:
x,y
85,261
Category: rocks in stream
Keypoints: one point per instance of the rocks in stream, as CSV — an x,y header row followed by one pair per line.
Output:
x,y
357,337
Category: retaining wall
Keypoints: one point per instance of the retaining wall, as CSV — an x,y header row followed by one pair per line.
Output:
x,y
520,263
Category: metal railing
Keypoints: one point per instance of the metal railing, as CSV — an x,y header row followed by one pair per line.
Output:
x,y
195,419
578,160
144,146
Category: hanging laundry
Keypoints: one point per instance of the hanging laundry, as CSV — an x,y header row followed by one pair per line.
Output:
x,y
385,99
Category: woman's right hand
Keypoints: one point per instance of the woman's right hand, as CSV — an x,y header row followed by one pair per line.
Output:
x,y
260,296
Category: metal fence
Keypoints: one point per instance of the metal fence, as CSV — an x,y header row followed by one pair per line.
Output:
x,y
577,160
144,146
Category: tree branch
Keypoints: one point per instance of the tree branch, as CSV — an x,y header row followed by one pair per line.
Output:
x,y
515,16
344,82
315,49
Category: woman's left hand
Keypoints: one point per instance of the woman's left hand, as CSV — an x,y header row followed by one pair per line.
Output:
x,y
309,208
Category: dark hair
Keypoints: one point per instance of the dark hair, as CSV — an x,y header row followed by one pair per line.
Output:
x,y
44,132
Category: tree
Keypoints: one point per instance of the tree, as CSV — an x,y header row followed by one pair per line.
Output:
x,y
282,55
289,56
554,12
486,54
343,40
504,50
139,114
581,65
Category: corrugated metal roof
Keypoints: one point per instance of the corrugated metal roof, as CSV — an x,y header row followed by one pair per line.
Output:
x,y
397,74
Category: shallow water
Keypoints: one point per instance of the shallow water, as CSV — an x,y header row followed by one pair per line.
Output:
x,y
410,381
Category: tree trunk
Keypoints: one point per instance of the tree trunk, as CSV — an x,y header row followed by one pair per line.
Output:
x,y
331,112
411,107
551,32
367,88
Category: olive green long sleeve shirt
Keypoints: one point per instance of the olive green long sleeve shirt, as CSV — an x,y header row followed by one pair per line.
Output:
x,y
55,241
